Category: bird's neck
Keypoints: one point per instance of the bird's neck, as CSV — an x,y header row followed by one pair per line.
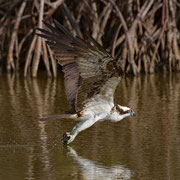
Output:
x,y
115,116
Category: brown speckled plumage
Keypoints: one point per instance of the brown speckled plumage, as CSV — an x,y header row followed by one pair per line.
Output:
x,y
86,67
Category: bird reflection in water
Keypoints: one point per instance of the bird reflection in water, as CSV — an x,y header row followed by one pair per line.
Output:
x,y
92,170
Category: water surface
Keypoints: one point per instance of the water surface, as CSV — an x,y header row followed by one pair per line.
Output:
x,y
143,147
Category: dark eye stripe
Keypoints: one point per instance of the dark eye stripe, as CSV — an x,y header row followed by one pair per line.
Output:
x,y
120,110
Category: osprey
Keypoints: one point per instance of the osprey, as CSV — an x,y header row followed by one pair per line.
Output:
x,y
91,77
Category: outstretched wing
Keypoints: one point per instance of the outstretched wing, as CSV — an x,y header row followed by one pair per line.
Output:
x,y
87,67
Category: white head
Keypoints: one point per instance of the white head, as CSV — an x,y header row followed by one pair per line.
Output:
x,y
119,112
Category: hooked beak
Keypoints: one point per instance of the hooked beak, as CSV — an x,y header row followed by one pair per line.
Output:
x,y
133,113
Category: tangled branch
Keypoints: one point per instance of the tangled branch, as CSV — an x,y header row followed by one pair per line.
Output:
x,y
143,35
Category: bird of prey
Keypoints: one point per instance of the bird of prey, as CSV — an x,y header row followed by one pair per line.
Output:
x,y
91,77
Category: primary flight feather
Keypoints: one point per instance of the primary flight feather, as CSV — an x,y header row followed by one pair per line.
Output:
x,y
91,78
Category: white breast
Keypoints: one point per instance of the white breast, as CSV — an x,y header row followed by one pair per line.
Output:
x,y
99,111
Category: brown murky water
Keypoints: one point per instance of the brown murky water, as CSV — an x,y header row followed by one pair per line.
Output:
x,y
143,147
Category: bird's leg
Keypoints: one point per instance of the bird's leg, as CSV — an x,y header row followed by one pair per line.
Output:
x,y
69,137
82,126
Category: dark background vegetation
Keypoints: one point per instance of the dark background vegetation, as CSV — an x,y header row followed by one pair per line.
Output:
x,y
143,35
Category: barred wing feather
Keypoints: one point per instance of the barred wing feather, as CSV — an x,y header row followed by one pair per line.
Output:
x,y
87,68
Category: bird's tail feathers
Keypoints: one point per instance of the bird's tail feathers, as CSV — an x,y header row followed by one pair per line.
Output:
x,y
63,115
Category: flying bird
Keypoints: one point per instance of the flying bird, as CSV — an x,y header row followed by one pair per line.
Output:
x,y
91,77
